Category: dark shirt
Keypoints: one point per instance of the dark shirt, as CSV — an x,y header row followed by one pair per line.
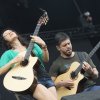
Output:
x,y
61,65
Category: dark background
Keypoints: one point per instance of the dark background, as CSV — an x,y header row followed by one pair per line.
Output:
x,y
22,15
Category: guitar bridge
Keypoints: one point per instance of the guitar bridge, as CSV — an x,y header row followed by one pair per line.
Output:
x,y
18,77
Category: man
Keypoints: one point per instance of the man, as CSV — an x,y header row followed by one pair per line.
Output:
x,y
86,22
63,64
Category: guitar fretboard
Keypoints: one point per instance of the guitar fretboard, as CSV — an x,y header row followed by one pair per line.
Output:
x,y
94,49
31,44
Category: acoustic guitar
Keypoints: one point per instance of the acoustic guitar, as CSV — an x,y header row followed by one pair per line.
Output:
x,y
73,73
21,76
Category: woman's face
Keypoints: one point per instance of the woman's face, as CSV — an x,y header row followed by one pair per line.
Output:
x,y
9,35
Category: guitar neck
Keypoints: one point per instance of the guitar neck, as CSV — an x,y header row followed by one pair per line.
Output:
x,y
31,44
37,29
94,50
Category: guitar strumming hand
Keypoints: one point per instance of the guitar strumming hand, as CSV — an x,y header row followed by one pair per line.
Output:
x,y
66,83
19,58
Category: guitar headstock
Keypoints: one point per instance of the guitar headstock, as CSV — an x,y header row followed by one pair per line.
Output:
x,y
43,19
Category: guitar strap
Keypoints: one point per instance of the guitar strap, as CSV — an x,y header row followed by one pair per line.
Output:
x,y
82,58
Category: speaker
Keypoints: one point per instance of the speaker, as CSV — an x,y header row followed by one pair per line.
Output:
x,y
91,95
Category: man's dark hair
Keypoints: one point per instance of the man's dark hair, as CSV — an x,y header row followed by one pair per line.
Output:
x,y
60,37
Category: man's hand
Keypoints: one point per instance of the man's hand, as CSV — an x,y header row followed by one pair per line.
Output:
x,y
87,68
69,84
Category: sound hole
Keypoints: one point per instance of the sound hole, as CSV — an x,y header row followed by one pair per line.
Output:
x,y
24,63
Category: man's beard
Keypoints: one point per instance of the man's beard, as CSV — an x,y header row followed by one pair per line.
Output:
x,y
68,53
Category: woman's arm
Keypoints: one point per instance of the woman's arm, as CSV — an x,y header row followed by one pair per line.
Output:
x,y
43,45
8,65
45,53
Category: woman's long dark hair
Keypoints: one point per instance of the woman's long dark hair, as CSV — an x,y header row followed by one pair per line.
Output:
x,y
7,45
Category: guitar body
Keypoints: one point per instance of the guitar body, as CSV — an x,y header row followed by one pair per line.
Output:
x,y
63,91
20,77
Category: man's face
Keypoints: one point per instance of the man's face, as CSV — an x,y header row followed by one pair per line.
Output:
x,y
65,47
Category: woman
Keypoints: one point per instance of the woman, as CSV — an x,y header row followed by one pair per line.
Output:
x,y
12,56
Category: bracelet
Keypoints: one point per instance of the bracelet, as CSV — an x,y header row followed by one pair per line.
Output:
x,y
44,46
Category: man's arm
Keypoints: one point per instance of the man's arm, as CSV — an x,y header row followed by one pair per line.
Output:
x,y
93,72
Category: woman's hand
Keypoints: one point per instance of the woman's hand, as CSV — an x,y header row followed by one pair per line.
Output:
x,y
43,47
18,58
38,40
